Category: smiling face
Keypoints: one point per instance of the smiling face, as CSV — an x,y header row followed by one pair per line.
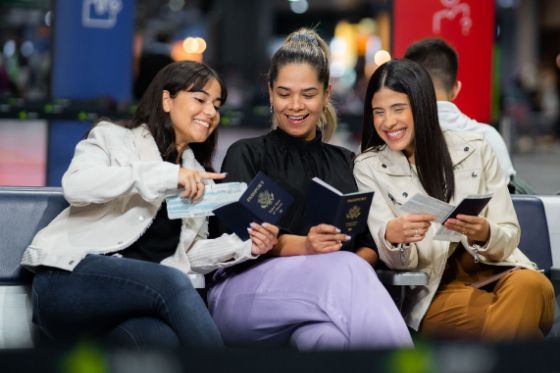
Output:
x,y
393,120
194,115
298,99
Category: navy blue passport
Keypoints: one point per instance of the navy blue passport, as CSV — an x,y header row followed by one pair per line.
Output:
x,y
264,201
347,212
470,205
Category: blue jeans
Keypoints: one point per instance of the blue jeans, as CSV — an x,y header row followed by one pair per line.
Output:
x,y
144,303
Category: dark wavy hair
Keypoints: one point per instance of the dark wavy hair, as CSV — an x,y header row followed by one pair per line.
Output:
x,y
433,162
178,76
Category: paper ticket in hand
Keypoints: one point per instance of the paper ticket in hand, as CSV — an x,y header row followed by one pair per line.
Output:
x,y
215,196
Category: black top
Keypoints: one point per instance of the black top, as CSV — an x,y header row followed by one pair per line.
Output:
x,y
159,241
291,162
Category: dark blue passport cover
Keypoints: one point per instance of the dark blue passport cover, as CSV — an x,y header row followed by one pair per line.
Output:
x,y
347,212
470,205
263,201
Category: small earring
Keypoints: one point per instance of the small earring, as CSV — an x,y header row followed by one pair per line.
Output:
x,y
271,109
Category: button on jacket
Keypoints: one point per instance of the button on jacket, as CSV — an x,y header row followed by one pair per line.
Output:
x,y
115,185
476,171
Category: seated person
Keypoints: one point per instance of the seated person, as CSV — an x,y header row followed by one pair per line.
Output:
x,y
405,152
308,292
113,265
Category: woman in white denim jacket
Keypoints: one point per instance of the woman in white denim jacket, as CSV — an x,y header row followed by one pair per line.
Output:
x,y
404,153
97,264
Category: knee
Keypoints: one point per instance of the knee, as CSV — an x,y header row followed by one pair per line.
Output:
x,y
531,283
347,261
173,281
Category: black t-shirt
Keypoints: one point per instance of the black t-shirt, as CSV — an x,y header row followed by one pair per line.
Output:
x,y
159,241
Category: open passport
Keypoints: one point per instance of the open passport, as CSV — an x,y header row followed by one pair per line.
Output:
x,y
424,204
326,204
236,204
264,201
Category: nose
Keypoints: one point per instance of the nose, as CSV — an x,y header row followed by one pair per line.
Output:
x,y
390,120
296,103
210,109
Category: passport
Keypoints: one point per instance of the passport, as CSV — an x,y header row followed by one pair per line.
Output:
x,y
347,212
264,201
470,205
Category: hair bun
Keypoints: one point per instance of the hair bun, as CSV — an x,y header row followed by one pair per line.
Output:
x,y
305,38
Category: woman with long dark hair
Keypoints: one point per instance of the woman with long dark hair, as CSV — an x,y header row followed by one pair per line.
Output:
x,y
113,265
482,287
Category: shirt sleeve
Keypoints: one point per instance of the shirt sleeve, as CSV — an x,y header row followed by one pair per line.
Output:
x,y
102,170
500,213
395,257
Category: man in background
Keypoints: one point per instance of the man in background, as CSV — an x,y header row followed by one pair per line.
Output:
x,y
441,62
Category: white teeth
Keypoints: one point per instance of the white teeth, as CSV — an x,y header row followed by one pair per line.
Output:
x,y
395,133
293,117
202,123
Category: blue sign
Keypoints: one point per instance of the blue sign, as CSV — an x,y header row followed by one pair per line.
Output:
x,y
92,59
93,45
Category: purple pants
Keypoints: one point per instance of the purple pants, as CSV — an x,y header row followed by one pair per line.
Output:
x,y
325,301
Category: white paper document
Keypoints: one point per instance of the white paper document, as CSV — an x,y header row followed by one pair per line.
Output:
x,y
215,195
424,204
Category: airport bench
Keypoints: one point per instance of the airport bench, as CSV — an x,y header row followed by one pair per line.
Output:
x,y
25,210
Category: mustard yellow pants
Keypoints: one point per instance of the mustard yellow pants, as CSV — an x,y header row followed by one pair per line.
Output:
x,y
519,306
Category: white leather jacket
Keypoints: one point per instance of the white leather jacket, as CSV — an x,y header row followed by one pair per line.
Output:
x,y
476,171
115,185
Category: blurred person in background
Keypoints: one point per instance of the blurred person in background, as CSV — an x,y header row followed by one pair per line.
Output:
x,y
442,63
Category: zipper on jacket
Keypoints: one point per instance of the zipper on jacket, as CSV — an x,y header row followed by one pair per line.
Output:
x,y
476,248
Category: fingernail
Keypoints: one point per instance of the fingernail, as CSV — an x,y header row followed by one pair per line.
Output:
x,y
347,237
253,225
337,230
249,230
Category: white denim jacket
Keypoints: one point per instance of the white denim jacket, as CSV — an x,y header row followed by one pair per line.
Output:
x,y
476,171
115,185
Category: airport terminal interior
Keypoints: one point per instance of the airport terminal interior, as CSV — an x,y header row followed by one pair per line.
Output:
x,y
65,64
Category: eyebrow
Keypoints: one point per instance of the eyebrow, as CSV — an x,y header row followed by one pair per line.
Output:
x,y
304,90
207,94
392,106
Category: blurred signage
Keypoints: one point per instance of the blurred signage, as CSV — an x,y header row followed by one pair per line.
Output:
x,y
93,49
100,13
468,25
92,60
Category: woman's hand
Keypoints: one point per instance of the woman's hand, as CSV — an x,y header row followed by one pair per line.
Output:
x,y
264,236
408,228
476,228
192,181
324,238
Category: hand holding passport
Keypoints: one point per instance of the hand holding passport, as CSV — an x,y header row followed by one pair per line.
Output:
x,y
264,201
326,204
470,205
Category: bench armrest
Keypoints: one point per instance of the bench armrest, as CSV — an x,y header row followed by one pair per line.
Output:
x,y
397,278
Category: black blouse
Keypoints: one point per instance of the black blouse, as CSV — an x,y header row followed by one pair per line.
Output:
x,y
291,162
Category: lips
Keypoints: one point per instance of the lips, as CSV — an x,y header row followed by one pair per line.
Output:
x,y
395,134
201,122
297,119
